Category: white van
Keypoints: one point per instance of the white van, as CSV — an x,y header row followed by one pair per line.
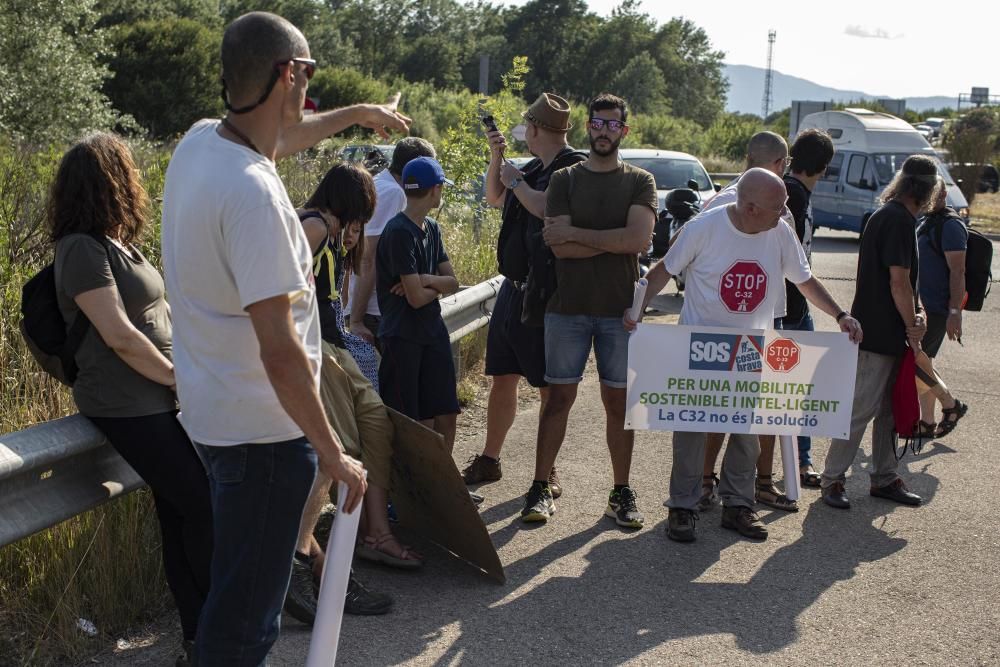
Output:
x,y
871,148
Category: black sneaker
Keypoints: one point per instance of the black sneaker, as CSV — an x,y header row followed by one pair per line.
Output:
x,y
300,600
744,521
538,504
621,508
362,602
681,524
482,468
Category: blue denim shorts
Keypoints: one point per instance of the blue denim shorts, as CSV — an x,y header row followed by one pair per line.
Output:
x,y
568,341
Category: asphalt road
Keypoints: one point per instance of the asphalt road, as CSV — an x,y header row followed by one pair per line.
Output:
x,y
878,583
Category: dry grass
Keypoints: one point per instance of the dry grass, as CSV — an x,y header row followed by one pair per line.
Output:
x,y
986,213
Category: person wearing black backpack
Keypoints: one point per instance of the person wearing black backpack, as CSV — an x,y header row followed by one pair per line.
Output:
x,y
942,240
515,344
97,212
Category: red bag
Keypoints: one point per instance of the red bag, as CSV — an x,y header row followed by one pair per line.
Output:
x,y
905,402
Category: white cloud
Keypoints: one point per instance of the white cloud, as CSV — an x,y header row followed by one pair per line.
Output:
x,y
869,33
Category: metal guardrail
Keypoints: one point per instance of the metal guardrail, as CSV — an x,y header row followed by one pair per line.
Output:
x,y
56,470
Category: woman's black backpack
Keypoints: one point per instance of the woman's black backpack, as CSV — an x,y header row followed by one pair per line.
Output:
x,y
44,330
978,257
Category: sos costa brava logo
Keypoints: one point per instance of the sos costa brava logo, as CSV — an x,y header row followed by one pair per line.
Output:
x,y
725,352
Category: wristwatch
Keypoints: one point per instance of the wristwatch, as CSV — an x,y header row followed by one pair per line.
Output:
x,y
954,311
514,183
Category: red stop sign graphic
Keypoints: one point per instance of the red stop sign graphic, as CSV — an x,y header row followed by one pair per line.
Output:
x,y
782,355
743,286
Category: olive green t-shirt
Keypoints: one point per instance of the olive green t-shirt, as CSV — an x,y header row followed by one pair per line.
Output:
x,y
599,286
106,386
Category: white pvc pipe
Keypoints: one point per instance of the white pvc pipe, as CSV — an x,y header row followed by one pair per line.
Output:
x,y
790,466
333,589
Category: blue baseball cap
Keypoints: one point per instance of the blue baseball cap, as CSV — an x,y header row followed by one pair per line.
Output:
x,y
423,172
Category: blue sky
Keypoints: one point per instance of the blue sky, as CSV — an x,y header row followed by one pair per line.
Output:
x,y
879,47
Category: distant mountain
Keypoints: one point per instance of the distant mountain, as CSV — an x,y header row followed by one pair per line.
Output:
x,y
746,90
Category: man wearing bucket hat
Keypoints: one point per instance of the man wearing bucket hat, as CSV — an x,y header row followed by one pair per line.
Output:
x,y
515,349
417,373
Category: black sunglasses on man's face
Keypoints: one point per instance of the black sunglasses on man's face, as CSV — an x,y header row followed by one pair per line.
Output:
x,y
613,125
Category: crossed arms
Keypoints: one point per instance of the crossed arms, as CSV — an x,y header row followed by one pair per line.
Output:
x,y
569,242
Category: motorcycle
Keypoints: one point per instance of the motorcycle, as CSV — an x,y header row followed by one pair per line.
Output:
x,y
681,205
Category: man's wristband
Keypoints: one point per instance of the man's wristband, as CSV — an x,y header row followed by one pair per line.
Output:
x,y
954,311
841,315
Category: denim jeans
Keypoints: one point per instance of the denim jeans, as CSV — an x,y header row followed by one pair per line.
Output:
x,y
568,341
258,492
804,324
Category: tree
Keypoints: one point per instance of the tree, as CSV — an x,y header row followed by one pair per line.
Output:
x,y
339,87
973,140
641,83
50,65
125,12
696,87
166,74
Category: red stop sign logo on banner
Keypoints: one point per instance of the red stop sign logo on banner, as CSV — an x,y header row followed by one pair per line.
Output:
x,y
743,287
782,355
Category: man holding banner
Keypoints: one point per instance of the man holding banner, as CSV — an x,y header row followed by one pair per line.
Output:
x,y
734,260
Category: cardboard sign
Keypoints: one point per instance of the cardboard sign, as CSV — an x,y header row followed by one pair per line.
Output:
x,y
430,496
717,380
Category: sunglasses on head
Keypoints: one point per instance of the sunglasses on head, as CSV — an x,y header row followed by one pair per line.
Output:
x,y
309,69
600,123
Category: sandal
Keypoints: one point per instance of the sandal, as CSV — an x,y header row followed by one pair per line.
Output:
x,y
371,549
947,425
926,431
709,496
768,495
809,477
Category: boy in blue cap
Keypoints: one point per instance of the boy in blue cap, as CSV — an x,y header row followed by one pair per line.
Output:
x,y
417,373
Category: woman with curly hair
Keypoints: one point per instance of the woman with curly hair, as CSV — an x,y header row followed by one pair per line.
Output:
x,y
97,212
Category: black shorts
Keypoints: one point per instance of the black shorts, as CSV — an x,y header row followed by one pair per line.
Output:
x,y
934,336
418,379
511,347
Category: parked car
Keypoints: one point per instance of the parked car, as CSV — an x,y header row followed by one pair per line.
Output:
x,y
936,124
374,157
926,131
670,170
871,147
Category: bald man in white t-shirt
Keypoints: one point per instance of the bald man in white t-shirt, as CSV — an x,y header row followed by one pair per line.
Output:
x,y
749,231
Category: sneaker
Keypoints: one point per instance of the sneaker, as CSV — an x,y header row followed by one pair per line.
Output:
x,y
554,486
300,600
744,521
709,496
681,524
482,468
621,507
538,504
362,602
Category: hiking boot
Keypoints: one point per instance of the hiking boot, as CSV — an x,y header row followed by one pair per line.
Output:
x,y
621,507
362,602
300,600
835,496
681,524
897,492
186,658
554,486
481,468
744,521
538,504
709,484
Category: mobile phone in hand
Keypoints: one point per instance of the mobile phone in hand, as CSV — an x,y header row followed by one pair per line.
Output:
x,y
489,123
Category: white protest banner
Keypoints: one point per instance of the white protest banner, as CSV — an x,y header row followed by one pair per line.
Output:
x,y
717,380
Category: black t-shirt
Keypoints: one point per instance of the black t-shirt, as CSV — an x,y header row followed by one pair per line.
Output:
x,y
890,239
796,305
515,242
405,249
328,267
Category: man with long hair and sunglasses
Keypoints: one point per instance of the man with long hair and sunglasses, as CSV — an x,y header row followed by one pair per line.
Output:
x,y
599,216
238,272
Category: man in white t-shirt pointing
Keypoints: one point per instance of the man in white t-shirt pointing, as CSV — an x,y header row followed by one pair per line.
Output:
x,y
246,342
736,259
